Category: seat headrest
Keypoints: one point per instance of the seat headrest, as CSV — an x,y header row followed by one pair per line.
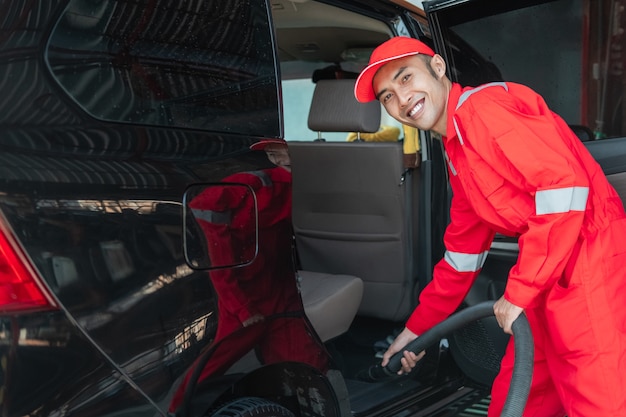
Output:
x,y
335,109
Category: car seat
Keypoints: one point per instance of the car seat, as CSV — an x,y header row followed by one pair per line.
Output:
x,y
354,203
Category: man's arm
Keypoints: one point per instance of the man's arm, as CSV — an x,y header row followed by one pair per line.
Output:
x,y
528,150
467,241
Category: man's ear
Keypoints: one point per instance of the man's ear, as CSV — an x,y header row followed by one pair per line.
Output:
x,y
438,65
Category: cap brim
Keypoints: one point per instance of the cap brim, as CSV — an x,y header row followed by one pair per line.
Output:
x,y
363,88
259,146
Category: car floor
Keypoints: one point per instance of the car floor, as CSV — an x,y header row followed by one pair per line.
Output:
x,y
355,352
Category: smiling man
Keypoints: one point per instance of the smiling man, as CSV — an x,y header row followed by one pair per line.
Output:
x,y
516,168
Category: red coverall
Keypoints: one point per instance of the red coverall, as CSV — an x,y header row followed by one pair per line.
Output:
x,y
517,169
266,287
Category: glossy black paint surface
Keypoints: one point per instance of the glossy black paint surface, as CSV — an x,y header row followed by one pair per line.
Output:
x,y
94,196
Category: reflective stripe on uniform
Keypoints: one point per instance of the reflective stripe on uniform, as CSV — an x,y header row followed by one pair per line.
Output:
x,y
561,200
452,169
458,132
465,262
465,96
215,217
468,93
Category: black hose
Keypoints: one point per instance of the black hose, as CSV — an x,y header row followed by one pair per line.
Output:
x,y
524,353
522,368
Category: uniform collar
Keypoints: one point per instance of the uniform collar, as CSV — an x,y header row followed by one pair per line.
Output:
x,y
453,100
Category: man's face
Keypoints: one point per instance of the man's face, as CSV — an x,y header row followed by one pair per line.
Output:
x,y
279,155
414,92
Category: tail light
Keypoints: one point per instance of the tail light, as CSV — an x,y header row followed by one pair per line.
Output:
x,y
20,289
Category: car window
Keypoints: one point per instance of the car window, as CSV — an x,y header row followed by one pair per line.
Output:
x,y
120,62
570,51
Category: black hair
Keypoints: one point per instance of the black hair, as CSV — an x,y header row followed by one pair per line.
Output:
x,y
427,59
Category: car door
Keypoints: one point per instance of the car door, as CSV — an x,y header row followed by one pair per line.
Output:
x,y
570,52
109,111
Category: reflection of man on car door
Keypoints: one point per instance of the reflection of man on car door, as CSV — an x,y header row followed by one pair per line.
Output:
x,y
259,305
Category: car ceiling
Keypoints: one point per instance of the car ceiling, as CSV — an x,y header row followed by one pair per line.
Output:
x,y
312,35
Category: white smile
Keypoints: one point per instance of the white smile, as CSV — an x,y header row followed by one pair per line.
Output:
x,y
418,106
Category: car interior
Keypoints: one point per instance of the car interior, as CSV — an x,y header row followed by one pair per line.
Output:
x,y
356,214
354,204
350,198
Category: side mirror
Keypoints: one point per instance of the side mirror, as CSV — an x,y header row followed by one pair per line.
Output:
x,y
220,225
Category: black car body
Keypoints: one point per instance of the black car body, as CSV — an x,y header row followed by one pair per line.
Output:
x,y
106,119
115,113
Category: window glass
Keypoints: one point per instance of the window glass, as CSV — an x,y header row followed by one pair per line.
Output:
x,y
204,64
571,51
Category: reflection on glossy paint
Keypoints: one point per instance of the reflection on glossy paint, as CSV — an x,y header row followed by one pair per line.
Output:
x,y
105,206
26,339
165,279
124,304
192,333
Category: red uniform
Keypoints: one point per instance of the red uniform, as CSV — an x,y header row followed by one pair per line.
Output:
x,y
517,169
230,218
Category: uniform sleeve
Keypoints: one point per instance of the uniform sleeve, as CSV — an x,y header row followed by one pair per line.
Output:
x,y
522,141
467,240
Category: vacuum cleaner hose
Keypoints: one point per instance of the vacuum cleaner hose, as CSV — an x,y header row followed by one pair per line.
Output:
x,y
524,352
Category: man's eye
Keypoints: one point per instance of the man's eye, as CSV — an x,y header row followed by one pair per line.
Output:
x,y
406,77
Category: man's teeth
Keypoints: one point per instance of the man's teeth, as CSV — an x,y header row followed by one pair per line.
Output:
x,y
415,109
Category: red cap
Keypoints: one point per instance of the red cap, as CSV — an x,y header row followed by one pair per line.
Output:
x,y
394,48
259,146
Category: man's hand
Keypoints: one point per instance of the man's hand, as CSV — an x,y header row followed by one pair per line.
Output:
x,y
409,358
506,313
